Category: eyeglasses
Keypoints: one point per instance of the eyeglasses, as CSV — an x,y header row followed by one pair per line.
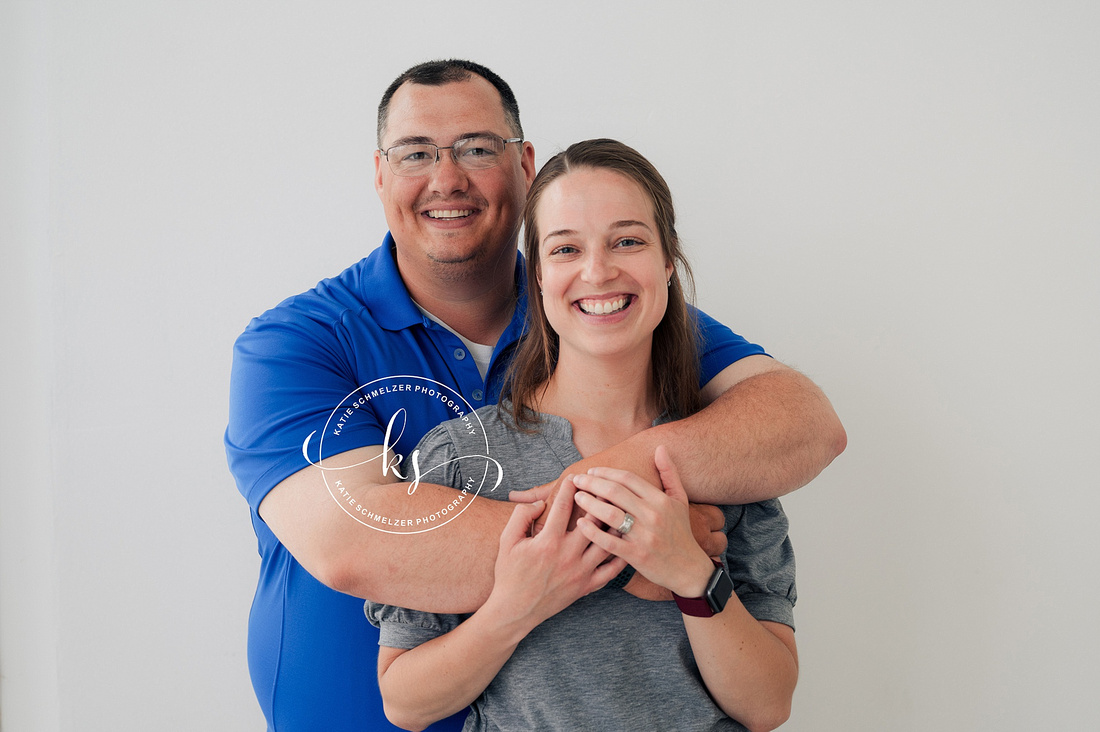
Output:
x,y
469,153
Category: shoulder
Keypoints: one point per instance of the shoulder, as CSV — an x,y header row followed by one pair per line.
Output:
x,y
442,449
326,302
306,316
525,459
358,313
719,347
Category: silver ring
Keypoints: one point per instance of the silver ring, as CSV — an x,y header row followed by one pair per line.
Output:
x,y
627,524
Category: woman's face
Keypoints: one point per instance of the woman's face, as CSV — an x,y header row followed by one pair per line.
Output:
x,y
602,269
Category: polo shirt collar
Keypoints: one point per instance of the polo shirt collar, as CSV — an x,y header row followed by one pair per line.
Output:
x,y
389,301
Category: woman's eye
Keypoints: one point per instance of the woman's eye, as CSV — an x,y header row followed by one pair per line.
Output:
x,y
629,243
563,250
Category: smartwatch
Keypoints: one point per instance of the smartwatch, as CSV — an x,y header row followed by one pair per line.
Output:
x,y
622,578
714,598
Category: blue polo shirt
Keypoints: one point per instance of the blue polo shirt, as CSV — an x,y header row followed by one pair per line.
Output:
x,y
333,369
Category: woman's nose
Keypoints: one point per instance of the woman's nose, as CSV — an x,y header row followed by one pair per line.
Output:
x,y
598,266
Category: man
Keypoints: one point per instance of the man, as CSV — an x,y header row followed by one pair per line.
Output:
x,y
419,332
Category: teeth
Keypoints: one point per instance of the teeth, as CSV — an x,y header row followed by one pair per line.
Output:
x,y
603,307
449,214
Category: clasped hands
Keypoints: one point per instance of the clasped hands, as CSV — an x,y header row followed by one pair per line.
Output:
x,y
669,543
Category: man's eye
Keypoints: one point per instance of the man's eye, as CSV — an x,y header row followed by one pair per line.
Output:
x,y
477,152
414,156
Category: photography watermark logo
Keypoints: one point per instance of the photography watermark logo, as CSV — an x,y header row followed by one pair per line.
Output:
x,y
420,512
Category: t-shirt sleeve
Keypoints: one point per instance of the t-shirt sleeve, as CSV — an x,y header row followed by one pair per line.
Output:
x,y
403,628
760,561
719,347
291,372
435,455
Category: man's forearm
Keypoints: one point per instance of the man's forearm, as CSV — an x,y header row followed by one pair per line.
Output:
x,y
446,569
762,438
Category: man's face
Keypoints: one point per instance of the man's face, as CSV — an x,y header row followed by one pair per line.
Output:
x,y
452,223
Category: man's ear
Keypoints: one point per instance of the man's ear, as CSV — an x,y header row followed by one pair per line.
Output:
x,y
378,171
527,160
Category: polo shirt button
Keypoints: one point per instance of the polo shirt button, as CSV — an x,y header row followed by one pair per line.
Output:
x,y
478,395
460,354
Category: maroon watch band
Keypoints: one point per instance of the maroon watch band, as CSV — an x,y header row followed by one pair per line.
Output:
x,y
718,591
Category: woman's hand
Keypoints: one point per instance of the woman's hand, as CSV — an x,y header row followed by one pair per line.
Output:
x,y
660,543
539,576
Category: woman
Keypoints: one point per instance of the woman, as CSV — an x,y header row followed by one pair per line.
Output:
x,y
611,349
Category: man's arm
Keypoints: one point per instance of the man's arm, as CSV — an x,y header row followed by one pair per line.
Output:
x,y
768,430
448,569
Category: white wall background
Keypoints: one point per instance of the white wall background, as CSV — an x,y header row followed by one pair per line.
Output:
x,y
901,199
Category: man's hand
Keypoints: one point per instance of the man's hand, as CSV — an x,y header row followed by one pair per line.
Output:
x,y
708,525
538,493
547,493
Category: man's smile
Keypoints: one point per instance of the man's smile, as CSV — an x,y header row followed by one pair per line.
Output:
x,y
448,213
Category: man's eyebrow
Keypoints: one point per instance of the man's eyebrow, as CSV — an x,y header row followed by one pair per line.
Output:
x,y
412,140
423,140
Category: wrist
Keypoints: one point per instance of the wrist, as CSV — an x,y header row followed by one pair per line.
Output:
x,y
695,578
501,615
714,598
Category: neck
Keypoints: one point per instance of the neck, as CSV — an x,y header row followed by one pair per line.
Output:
x,y
477,303
606,400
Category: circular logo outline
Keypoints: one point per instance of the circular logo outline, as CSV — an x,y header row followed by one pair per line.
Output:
x,y
454,399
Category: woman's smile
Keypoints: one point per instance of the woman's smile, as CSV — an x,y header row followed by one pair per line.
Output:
x,y
605,306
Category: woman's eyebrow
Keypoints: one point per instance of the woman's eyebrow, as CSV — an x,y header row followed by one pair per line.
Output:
x,y
625,223
560,232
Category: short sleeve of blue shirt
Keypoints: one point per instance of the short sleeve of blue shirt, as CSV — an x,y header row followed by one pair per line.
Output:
x,y
720,347
291,370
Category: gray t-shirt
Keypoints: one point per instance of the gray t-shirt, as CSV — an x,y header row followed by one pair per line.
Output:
x,y
609,661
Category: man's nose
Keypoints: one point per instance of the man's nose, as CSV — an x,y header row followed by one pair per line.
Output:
x,y
447,176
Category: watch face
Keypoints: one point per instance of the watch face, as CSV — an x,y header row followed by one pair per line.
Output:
x,y
719,590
